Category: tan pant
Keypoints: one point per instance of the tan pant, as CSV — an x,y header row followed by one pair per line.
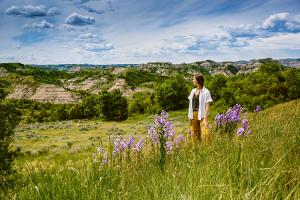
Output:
x,y
195,129
198,132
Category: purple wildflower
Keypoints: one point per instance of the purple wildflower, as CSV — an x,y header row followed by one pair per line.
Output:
x,y
219,119
139,145
119,146
164,114
105,158
257,109
181,138
159,120
233,114
99,149
176,142
238,107
245,124
153,135
169,147
130,141
240,131
169,129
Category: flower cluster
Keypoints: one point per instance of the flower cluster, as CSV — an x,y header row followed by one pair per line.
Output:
x,y
244,130
228,121
179,140
163,133
233,115
139,145
122,145
161,136
153,135
162,121
100,156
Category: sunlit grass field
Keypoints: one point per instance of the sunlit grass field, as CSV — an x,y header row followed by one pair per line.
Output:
x,y
74,136
56,161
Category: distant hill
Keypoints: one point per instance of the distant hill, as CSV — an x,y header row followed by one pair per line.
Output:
x,y
66,83
295,63
289,62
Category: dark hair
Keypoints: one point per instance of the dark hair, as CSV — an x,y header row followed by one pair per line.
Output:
x,y
200,79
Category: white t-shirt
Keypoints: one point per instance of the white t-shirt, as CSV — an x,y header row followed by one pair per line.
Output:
x,y
204,98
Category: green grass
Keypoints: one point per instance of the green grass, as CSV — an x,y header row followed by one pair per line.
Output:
x,y
262,166
53,137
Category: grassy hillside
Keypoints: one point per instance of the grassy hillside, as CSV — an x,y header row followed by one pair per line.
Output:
x,y
264,165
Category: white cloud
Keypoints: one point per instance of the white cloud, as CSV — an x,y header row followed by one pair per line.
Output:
x,y
41,25
79,20
87,36
275,24
97,47
32,11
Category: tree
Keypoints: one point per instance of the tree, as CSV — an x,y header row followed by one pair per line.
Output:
x,y
9,118
172,94
141,102
113,106
89,103
292,77
3,93
216,84
134,77
75,111
60,113
270,66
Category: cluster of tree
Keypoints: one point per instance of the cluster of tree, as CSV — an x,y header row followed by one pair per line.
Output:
x,y
105,105
134,77
170,94
271,84
9,118
27,74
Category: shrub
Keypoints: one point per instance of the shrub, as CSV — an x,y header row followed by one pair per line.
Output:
x,y
140,103
172,94
113,106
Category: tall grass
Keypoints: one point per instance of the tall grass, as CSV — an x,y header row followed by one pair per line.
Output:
x,y
262,166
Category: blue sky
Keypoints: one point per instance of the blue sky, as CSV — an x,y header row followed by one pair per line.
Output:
x,y
140,31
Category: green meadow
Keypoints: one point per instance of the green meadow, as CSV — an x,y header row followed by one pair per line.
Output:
x,y
56,161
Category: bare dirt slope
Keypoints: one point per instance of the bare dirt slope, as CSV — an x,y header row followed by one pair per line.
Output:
x,y
43,93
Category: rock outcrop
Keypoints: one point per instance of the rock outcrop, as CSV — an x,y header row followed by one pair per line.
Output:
x,y
43,93
89,84
3,72
21,92
119,70
53,94
121,84
74,69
